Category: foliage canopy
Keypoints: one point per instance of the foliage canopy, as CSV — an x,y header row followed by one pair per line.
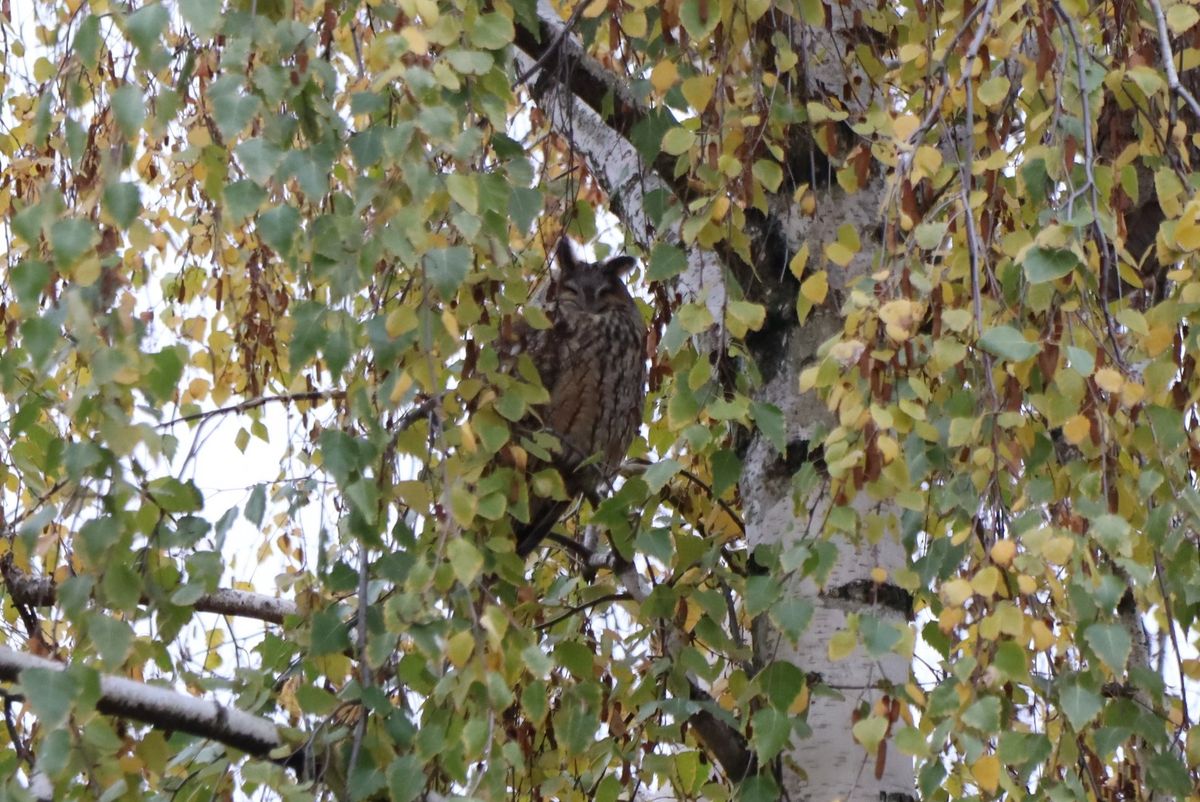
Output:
x,y
316,222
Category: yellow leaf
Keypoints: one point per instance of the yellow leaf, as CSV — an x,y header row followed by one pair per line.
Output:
x,y
198,389
879,575
905,126
815,287
634,23
698,91
841,644
1058,549
986,581
1026,584
1077,429
417,43
595,9
1158,339
1110,380
1043,638
460,647
799,261
1003,551
956,592
986,772
212,660
888,447
694,613
663,76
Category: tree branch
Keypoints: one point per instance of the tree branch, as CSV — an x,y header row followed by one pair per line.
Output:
x,y
162,708
253,403
559,57
724,742
37,591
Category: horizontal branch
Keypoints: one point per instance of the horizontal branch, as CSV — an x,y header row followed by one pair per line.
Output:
x,y
254,403
162,708
37,591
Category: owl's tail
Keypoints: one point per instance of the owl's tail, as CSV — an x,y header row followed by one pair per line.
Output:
x,y
542,518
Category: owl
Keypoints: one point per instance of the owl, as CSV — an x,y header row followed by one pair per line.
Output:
x,y
592,363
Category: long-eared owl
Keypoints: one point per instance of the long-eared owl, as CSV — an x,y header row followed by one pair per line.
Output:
x,y
592,363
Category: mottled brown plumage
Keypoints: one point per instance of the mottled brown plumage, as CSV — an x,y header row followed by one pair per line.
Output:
x,y
592,363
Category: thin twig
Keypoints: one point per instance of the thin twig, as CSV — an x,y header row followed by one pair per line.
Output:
x,y
554,46
608,597
1168,57
254,403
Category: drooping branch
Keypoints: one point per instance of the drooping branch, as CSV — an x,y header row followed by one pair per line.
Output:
x,y
724,742
38,591
163,708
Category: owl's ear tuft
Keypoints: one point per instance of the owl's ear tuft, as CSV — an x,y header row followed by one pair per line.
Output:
x,y
566,256
619,265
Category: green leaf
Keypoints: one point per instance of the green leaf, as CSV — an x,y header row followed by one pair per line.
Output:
x,y
447,268
233,109
1169,775
1111,643
1008,343
51,693
699,18
1022,748
1047,264
576,658
405,779
259,158
29,280
726,471
1079,703
677,141
792,616
87,42
164,374
1082,362
256,506
330,635
769,174
112,638
770,733
172,495
146,25
277,227
761,593
71,239
666,261
204,16
983,715
465,560
878,635
122,201
129,108
492,31
243,198
769,420
524,206
661,472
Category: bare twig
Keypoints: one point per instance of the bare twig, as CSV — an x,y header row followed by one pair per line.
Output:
x,y
254,403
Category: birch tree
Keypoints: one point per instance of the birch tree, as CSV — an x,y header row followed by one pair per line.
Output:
x,y
913,509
